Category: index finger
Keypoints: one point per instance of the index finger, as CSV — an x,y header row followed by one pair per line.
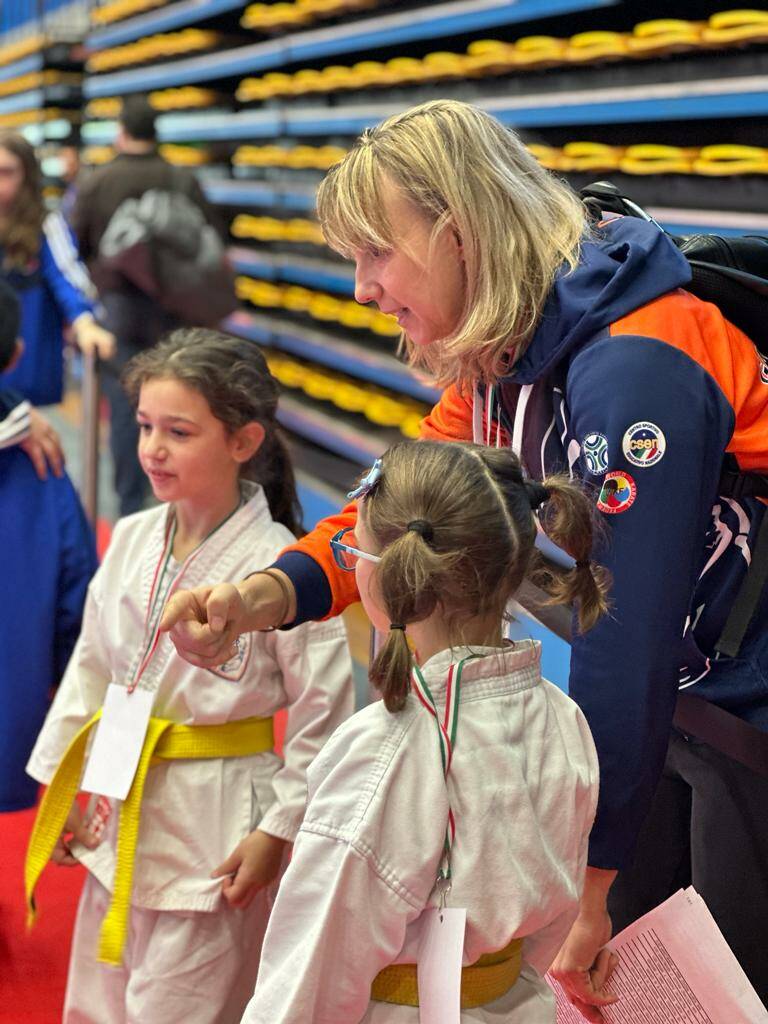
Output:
x,y
54,454
182,606
35,452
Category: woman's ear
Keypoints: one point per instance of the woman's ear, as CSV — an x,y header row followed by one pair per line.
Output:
x,y
246,441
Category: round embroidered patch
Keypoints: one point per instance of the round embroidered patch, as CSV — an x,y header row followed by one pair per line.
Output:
x,y
644,444
594,448
617,494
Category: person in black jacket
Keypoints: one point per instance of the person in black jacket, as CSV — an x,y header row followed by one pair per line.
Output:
x,y
135,318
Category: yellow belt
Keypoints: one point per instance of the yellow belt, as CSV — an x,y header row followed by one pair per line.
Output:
x,y
165,740
487,979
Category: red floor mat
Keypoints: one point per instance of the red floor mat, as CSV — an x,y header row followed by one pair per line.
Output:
x,y
33,965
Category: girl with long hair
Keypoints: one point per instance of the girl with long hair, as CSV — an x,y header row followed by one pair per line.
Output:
x,y
183,866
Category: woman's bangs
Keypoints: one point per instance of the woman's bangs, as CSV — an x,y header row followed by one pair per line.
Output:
x,y
350,208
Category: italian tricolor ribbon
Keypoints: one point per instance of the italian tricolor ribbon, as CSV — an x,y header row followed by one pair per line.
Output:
x,y
446,733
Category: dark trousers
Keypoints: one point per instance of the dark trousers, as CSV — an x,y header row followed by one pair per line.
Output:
x,y
708,828
137,324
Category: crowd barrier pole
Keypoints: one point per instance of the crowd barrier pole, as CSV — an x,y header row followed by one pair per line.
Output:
x,y
90,436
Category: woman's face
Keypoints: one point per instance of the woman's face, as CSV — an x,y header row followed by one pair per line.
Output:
x,y
419,281
11,179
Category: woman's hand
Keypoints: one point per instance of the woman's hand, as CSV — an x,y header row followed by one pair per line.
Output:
x,y
74,828
90,337
584,966
43,446
204,623
252,865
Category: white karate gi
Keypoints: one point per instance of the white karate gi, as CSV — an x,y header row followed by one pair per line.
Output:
x,y
194,813
523,787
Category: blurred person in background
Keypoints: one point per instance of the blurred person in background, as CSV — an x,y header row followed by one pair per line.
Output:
x,y
48,559
71,174
38,259
134,316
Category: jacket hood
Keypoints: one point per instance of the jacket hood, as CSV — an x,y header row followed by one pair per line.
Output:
x,y
627,263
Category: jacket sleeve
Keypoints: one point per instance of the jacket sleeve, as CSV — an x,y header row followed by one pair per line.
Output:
x,y
77,564
315,665
322,588
625,671
63,272
14,418
336,923
80,694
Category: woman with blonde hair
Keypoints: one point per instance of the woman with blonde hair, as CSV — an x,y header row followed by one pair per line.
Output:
x,y
576,345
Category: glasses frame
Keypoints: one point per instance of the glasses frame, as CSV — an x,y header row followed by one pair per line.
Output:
x,y
338,547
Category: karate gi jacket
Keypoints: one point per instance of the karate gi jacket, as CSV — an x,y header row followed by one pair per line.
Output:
x,y
523,788
194,813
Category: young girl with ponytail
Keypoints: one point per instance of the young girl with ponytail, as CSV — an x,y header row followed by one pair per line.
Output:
x,y
182,875
473,778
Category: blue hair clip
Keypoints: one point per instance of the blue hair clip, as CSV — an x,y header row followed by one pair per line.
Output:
x,y
368,482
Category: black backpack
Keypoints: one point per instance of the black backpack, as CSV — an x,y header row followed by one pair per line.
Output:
x,y
731,273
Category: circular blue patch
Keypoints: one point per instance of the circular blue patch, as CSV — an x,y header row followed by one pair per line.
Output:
x,y
594,448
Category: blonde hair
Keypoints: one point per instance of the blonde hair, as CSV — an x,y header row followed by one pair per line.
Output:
x,y
455,528
517,223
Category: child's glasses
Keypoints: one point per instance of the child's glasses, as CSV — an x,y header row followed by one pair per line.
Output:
x,y
345,554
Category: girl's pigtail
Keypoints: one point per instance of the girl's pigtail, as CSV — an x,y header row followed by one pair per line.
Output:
x,y
271,467
391,669
568,518
410,578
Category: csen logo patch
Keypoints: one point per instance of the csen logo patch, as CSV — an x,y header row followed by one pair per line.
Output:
x,y
644,444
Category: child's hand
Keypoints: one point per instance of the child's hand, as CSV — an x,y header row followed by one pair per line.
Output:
x,y
74,828
253,864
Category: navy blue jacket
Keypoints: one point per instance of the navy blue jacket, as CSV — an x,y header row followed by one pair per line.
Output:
x,y
637,388
48,559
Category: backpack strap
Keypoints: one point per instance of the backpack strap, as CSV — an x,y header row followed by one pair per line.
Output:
x,y
748,597
735,483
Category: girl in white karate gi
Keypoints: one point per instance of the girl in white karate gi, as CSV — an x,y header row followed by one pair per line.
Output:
x,y
444,537
213,829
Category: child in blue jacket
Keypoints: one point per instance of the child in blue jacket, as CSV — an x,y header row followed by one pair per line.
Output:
x,y
49,556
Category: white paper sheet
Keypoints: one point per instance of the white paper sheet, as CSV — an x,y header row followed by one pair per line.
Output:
x,y
674,967
440,955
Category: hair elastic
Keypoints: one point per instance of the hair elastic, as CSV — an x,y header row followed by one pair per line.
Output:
x,y
422,527
583,563
396,625
537,493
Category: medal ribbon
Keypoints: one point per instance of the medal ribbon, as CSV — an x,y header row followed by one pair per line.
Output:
x,y
155,605
446,733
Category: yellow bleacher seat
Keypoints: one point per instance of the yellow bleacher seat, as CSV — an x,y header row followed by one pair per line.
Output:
x,y
741,26
664,35
725,160
592,46
539,51
590,156
490,57
654,159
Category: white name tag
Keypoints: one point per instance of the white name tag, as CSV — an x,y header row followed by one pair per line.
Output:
x,y
440,954
116,747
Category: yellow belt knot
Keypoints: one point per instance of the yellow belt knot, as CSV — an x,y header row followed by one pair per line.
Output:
x,y
164,740
489,978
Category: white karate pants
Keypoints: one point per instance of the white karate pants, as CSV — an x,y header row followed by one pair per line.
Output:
x,y
179,967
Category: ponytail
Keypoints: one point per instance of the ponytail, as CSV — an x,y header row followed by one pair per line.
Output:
x,y
272,468
568,519
411,577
